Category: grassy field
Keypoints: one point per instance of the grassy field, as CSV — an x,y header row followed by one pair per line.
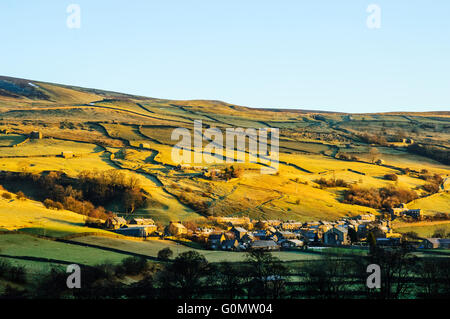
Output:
x,y
423,229
49,147
7,140
24,245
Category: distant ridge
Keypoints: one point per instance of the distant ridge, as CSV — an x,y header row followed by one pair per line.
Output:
x,y
12,88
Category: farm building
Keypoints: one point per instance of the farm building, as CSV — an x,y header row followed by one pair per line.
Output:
x,y
264,245
408,141
231,244
137,231
336,236
284,235
292,243
273,222
238,232
176,229
141,221
215,240
248,238
434,243
67,154
366,218
403,210
36,135
115,223
291,225
414,213
232,220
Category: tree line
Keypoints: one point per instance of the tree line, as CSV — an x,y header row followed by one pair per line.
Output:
x,y
437,153
261,276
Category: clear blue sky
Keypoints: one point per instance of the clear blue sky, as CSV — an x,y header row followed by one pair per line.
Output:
x,y
289,54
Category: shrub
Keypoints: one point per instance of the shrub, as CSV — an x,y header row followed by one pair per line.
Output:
x,y
391,177
411,235
132,266
373,139
331,182
440,233
48,203
165,253
12,273
20,195
343,156
6,196
431,188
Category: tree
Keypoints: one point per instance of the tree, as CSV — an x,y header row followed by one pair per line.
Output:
x,y
373,154
440,233
396,266
133,266
434,278
267,273
228,278
353,235
165,254
185,275
391,177
21,196
326,279
52,285
372,242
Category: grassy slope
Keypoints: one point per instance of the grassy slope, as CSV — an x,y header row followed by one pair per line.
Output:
x,y
33,217
24,245
256,196
423,229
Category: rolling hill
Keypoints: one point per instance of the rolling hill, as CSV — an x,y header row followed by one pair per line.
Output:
x,y
132,134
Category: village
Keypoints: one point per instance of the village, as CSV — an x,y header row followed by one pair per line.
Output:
x,y
244,234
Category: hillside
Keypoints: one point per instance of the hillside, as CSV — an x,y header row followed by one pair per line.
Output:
x,y
106,131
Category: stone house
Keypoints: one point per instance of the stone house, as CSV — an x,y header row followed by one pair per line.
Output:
x,y
141,221
337,236
215,240
36,135
231,244
238,232
115,222
176,229
264,245
292,243
434,243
